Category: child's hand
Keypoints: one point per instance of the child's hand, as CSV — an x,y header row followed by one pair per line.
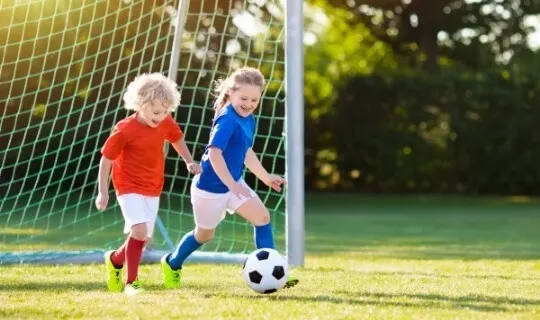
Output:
x,y
275,182
240,191
194,167
102,200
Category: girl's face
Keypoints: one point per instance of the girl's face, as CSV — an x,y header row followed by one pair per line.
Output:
x,y
153,113
245,99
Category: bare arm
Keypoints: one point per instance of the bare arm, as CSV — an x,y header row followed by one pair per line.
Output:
x,y
253,163
104,171
103,183
220,167
182,149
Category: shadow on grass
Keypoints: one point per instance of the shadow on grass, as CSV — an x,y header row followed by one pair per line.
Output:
x,y
76,286
447,276
476,302
333,270
469,302
87,286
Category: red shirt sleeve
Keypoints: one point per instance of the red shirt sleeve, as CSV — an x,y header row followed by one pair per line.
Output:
x,y
114,144
174,133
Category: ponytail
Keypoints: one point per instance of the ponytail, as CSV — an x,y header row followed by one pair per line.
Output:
x,y
220,89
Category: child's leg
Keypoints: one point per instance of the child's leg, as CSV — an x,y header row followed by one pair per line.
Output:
x,y
264,237
134,248
119,256
208,211
189,243
254,211
171,264
139,214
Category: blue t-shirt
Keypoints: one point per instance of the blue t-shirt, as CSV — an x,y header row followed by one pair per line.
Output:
x,y
234,135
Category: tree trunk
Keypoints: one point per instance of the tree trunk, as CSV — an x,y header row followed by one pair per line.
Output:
x,y
429,13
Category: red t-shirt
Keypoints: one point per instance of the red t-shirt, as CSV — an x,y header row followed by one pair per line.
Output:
x,y
137,153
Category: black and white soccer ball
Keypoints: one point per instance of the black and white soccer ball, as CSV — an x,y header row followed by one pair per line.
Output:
x,y
266,271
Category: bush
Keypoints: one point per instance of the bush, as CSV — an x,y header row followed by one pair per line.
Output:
x,y
447,132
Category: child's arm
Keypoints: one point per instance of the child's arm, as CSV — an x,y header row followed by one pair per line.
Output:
x,y
103,183
253,163
220,167
183,151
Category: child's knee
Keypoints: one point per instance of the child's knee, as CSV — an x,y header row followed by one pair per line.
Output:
x,y
263,218
204,235
266,217
139,231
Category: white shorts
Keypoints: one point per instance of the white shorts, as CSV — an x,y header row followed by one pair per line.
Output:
x,y
210,208
136,209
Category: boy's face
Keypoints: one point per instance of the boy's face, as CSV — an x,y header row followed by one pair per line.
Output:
x,y
155,112
245,99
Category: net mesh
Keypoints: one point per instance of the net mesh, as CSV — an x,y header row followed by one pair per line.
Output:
x,y
64,67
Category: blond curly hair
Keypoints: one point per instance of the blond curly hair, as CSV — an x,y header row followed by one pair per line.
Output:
x,y
148,87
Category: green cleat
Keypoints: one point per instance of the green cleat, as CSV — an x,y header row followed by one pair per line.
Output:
x,y
291,282
134,288
171,278
114,275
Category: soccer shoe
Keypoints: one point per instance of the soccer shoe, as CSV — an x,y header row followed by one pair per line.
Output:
x,y
171,278
133,289
114,275
291,282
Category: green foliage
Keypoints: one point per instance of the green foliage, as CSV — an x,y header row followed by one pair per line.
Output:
x,y
341,49
476,34
336,49
472,133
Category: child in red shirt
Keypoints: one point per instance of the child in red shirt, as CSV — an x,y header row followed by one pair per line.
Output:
x,y
134,151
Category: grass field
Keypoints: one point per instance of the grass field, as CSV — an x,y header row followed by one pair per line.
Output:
x,y
367,258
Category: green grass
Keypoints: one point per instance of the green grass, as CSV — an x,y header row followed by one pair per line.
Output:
x,y
367,258
71,222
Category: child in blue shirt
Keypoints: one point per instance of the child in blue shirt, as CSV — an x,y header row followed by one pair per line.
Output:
x,y
220,187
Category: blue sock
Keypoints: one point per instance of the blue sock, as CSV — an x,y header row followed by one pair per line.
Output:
x,y
264,238
187,245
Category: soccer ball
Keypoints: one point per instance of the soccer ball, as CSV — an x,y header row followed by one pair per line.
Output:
x,y
265,271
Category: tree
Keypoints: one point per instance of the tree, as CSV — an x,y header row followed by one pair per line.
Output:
x,y
477,33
